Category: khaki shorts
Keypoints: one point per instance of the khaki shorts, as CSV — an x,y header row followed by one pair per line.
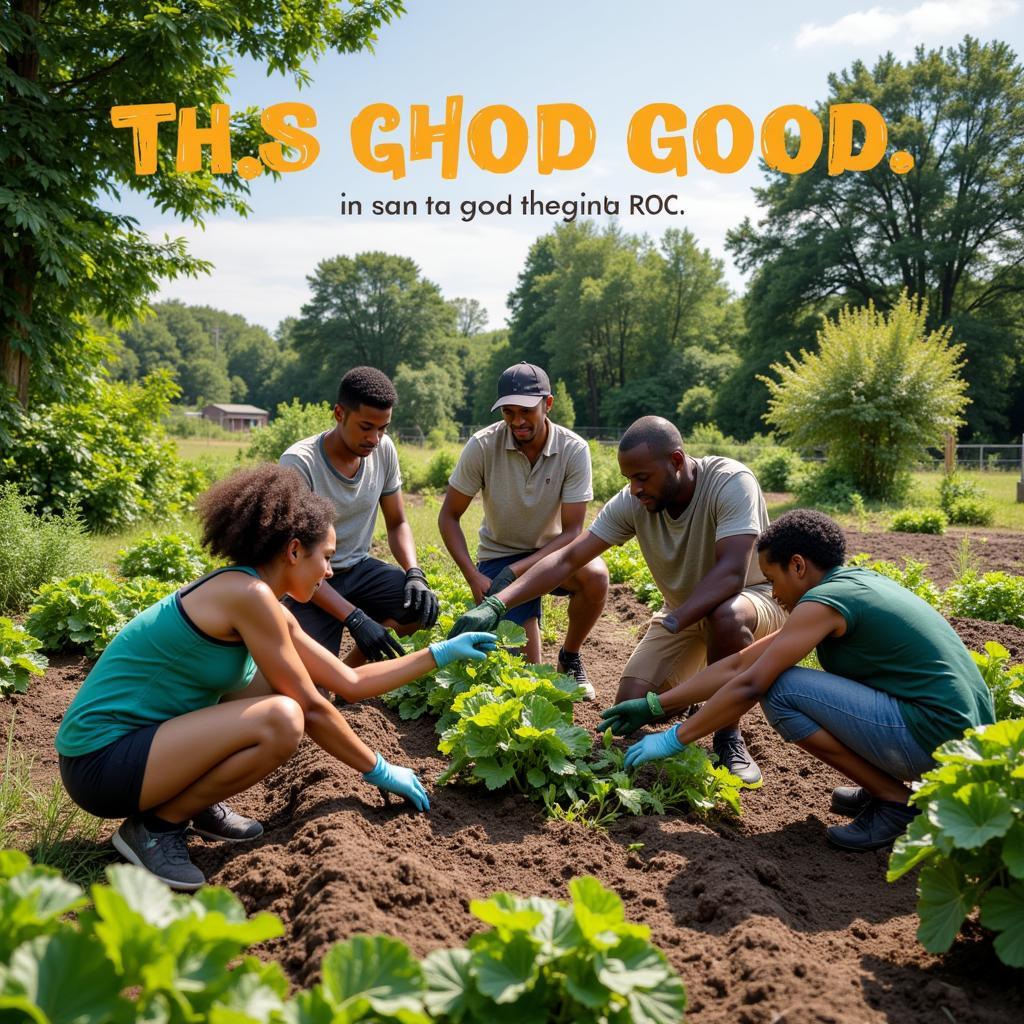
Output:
x,y
663,659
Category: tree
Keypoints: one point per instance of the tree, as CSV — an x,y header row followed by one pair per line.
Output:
x,y
880,389
373,308
562,409
61,254
426,398
951,231
470,317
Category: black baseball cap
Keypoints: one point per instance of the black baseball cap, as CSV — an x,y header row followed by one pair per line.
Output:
x,y
523,384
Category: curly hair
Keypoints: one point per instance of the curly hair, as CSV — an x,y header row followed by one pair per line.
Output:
x,y
364,385
250,516
804,532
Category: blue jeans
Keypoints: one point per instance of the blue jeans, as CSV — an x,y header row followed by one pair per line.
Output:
x,y
868,721
522,613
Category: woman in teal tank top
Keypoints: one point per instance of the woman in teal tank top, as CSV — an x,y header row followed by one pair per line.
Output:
x,y
150,735
897,681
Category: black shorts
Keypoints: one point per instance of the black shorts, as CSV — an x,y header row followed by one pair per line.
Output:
x,y
108,782
373,586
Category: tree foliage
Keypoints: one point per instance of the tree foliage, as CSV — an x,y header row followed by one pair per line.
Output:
x,y
61,253
880,389
950,232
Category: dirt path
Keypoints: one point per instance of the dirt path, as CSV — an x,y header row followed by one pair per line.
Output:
x,y
765,922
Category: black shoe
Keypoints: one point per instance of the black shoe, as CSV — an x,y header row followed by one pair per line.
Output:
x,y
164,854
220,822
879,824
732,752
849,800
572,665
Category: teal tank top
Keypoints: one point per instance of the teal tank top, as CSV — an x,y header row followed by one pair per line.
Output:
x,y
160,666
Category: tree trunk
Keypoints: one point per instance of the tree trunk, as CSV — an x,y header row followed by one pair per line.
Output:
x,y
19,278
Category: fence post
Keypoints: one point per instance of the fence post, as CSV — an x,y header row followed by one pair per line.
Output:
x,y
949,455
1020,482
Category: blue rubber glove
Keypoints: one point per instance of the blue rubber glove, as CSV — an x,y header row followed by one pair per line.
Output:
x,y
653,746
464,647
392,778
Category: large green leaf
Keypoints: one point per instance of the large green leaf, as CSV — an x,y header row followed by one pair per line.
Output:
x,y
1013,849
448,982
662,1005
632,964
914,846
31,903
943,902
378,970
557,931
506,976
1002,910
598,910
493,774
974,814
505,911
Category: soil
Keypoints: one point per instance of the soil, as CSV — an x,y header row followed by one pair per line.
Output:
x,y
765,922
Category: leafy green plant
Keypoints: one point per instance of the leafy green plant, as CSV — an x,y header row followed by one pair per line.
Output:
x,y
779,469
994,597
170,557
89,610
18,658
1004,680
440,469
970,838
290,423
627,565
36,549
972,511
911,575
605,473
925,520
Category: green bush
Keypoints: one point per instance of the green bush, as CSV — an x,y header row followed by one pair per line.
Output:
x,y
779,469
18,658
878,391
36,549
440,468
969,511
170,557
107,455
925,520
604,462
970,838
826,487
994,597
911,576
1006,681
291,422
141,953
627,565
89,610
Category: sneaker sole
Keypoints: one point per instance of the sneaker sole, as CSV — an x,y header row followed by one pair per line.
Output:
x,y
130,855
752,785
223,839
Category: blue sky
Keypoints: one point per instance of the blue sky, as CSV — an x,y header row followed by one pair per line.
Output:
x,y
610,58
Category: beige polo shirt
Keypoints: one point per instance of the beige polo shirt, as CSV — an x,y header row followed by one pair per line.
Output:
x,y
522,503
681,552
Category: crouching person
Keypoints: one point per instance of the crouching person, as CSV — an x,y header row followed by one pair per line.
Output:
x,y
148,737
897,682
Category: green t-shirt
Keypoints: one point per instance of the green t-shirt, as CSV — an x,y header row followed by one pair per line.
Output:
x,y
897,643
160,666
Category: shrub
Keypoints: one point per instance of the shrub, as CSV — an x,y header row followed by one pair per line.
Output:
x,y
910,576
970,838
107,455
627,565
292,422
879,390
36,549
994,597
170,557
1004,680
826,487
604,462
972,511
18,658
441,467
925,520
779,469
89,610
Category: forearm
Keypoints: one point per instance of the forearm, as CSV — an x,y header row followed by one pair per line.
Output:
x,y
402,544
722,708
327,598
375,678
711,679
555,544
542,578
329,731
717,586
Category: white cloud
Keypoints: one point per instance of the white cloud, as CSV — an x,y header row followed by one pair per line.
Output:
x,y
931,19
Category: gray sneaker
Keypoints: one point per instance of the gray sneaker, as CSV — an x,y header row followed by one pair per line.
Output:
x,y
572,665
163,854
220,822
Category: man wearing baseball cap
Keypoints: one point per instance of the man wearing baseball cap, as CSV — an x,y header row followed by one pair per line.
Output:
x,y
534,479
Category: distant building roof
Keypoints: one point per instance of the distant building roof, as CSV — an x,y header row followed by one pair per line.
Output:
x,y
240,410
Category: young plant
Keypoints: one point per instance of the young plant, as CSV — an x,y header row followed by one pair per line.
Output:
x,y
994,597
18,658
172,558
970,838
627,565
911,576
1004,680
925,520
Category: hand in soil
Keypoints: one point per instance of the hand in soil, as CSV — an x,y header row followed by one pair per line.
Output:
x,y
654,746
630,715
393,778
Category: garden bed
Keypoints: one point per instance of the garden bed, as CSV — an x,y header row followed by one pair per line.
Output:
x,y
763,920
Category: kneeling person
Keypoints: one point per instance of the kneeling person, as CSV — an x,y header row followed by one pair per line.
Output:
x,y
534,479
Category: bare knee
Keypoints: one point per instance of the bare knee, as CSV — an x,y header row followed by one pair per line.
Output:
x,y
730,628
630,688
283,726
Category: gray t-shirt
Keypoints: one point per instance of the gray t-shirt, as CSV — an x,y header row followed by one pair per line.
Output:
x,y
355,500
522,503
681,552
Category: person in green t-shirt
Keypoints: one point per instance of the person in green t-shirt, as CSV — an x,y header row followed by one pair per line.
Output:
x,y
210,689
896,682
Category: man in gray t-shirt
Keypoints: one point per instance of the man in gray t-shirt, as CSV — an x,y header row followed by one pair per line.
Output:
x,y
697,521
355,465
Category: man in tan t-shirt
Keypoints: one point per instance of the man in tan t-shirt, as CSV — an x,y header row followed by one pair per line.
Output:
x,y
534,479
697,521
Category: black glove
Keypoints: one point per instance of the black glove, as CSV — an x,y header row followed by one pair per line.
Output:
x,y
501,581
372,638
420,598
